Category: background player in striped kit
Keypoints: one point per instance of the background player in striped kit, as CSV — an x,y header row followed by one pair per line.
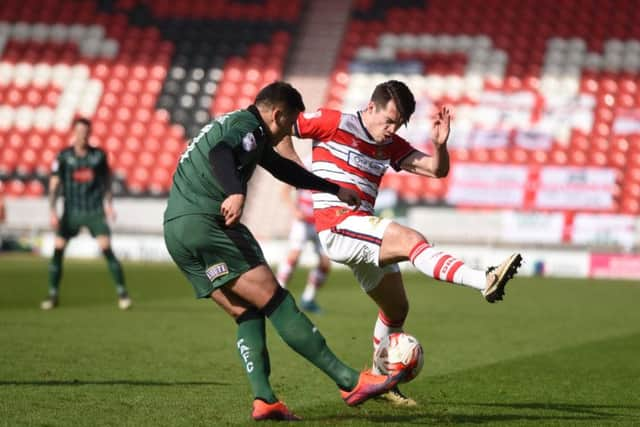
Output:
x,y
303,230
354,150
83,174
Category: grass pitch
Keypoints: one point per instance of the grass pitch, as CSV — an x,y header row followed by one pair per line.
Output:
x,y
555,352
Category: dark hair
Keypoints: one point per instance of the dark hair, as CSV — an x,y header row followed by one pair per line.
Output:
x,y
282,93
82,121
401,95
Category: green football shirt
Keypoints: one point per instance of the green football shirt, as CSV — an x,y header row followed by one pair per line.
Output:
x,y
195,190
83,180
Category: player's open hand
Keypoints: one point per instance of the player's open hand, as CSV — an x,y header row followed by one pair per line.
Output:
x,y
349,196
231,209
441,126
53,220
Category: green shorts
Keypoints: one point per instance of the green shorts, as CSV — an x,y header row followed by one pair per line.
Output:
x,y
210,254
70,224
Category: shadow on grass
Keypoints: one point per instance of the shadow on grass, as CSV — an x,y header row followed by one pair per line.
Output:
x,y
62,383
593,414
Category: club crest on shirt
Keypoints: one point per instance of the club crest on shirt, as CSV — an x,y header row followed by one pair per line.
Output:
x,y
217,270
249,142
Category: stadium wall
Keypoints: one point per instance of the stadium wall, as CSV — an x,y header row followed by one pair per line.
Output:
x,y
546,240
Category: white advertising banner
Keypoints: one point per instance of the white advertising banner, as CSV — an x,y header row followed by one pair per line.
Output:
x,y
487,185
603,230
575,188
627,121
518,227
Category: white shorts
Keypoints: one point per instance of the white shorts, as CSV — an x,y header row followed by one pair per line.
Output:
x,y
356,242
303,232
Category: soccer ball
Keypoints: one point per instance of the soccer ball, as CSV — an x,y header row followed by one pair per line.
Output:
x,y
397,352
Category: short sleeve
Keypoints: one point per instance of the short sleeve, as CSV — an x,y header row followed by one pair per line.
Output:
x,y
57,167
400,149
320,125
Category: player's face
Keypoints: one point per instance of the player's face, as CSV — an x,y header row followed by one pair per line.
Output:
x,y
81,135
281,123
382,122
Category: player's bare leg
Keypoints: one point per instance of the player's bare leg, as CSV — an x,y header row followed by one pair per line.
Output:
x,y
104,242
402,243
391,298
55,274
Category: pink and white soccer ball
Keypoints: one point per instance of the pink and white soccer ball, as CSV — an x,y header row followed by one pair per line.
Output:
x,y
397,352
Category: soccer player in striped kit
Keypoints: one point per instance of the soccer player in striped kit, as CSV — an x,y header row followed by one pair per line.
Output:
x,y
82,173
354,150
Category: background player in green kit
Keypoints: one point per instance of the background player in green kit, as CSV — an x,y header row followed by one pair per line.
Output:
x,y
222,259
83,175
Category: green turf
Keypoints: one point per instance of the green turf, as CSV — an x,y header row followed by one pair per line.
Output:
x,y
555,352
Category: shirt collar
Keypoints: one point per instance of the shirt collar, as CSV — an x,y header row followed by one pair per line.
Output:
x,y
254,110
366,132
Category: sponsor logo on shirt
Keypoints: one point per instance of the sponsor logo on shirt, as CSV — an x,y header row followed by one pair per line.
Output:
x,y
313,115
83,175
217,270
370,166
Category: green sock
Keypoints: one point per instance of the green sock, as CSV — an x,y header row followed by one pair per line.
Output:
x,y
252,348
116,272
55,271
302,336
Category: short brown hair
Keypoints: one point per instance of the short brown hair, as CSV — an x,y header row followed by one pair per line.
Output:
x,y
401,95
82,121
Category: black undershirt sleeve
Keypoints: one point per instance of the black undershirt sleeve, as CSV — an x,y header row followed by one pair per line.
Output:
x,y
294,174
223,168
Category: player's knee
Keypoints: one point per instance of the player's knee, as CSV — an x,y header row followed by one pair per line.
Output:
x,y
325,265
244,314
414,237
60,244
274,302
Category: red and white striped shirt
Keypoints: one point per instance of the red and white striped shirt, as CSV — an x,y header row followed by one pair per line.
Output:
x,y
344,153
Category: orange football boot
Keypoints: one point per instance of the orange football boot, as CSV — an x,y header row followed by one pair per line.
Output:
x,y
272,411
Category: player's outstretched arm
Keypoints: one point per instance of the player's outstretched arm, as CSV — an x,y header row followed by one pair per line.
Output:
x,y
436,166
292,173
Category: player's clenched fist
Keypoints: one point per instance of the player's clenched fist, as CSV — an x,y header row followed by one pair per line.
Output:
x,y
231,209
349,196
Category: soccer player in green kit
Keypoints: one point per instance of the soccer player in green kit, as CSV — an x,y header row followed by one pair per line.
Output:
x,y
83,174
223,261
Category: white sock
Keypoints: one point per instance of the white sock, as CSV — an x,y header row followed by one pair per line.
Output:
x,y
442,266
284,273
384,326
316,279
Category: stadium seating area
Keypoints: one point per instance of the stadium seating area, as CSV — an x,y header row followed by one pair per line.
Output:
x,y
539,87
546,93
148,74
